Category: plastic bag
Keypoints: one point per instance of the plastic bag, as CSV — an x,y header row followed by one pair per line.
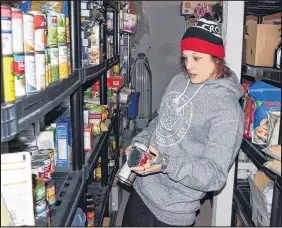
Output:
x,y
267,98
274,166
267,192
273,151
273,127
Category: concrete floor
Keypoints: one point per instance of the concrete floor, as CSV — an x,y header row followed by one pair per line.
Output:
x,y
203,219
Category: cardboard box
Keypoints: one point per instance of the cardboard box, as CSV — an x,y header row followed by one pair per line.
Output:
x,y
260,215
187,7
106,221
270,19
259,44
114,82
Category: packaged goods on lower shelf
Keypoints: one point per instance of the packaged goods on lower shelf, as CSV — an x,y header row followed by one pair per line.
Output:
x,y
64,142
274,166
16,187
261,198
273,151
267,98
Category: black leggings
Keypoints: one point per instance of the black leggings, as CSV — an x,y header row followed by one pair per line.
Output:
x,y
139,215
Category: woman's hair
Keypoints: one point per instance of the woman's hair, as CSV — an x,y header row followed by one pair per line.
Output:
x,y
221,69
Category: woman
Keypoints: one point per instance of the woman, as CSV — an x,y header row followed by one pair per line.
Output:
x,y
195,137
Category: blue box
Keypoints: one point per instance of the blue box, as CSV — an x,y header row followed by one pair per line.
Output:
x,y
64,142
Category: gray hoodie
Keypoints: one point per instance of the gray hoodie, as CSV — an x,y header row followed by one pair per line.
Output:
x,y
200,127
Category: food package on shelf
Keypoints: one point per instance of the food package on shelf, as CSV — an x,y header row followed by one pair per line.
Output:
x,y
274,166
130,21
45,6
260,215
267,98
88,137
94,55
273,127
105,125
273,151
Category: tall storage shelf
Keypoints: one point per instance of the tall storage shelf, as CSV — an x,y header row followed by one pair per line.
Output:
x,y
71,183
242,194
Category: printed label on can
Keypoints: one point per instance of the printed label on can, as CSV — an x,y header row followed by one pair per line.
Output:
x,y
40,27
19,75
40,192
40,206
41,170
47,166
68,29
30,76
54,57
28,22
7,43
17,30
69,59
46,69
51,194
52,30
63,62
6,11
42,214
49,65
8,79
90,218
40,71
39,39
61,27
6,24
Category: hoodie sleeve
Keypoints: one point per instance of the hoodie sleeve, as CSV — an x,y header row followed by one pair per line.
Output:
x,y
145,135
209,172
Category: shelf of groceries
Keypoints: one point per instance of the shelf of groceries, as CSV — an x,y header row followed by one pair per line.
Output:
x,y
36,127
71,184
18,116
257,192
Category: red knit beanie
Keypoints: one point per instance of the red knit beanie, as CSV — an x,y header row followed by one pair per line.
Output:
x,y
204,37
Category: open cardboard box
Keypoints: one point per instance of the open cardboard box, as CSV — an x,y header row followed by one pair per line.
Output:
x,y
106,221
260,215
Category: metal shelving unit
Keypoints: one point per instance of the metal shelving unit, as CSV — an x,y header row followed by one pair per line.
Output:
x,y
71,183
241,199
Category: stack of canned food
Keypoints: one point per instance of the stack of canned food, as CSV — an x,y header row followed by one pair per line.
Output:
x,y
44,190
35,51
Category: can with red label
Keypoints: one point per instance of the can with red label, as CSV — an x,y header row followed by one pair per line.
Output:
x,y
19,75
47,164
50,192
17,31
38,168
6,14
28,23
6,30
39,30
90,213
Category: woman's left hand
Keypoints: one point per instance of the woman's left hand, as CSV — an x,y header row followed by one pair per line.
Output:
x,y
148,168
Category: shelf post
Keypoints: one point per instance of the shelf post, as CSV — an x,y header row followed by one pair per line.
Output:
x,y
103,80
232,34
104,163
275,219
76,99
